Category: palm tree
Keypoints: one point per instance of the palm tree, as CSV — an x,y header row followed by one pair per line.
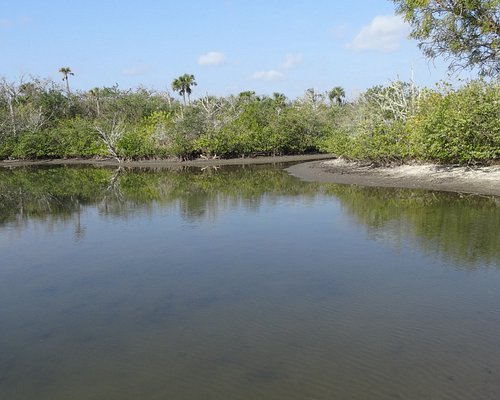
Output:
x,y
66,71
183,84
96,94
279,100
337,95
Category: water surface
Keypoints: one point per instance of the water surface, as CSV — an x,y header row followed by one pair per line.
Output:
x,y
243,283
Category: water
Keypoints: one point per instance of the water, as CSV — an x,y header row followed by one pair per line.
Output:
x,y
243,283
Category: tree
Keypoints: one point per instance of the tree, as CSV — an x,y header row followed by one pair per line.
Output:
x,y
336,95
66,71
9,93
465,31
279,101
312,98
183,84
96,94
396,102
110,132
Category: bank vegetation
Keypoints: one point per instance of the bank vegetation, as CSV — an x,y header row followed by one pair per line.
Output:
x,y
396,122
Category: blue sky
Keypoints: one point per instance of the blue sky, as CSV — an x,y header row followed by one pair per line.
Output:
x,y
229,45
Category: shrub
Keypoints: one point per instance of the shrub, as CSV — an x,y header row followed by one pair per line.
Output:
x,y
77,138
42,144
460,126
136,144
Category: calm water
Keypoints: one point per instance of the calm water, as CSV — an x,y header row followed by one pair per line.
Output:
x,y
243,283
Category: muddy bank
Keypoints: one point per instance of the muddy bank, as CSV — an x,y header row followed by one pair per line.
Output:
x,y
477,180
174,163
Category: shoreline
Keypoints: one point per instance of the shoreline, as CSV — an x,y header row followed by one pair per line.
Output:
x,y
325,168
470,180
166,163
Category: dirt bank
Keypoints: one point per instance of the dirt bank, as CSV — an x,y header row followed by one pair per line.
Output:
x,y
478,180
168,163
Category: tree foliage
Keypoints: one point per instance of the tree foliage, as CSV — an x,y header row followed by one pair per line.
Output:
x,y
336,95
387,123
467,32
183,84
458,126
66,71
401,122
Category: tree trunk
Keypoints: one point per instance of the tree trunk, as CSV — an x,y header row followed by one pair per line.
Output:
x,y
12,115
67,84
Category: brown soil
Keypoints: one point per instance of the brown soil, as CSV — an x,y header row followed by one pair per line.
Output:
x,y
477,180
173,163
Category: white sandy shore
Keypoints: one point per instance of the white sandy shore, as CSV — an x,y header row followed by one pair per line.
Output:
x,y
479,180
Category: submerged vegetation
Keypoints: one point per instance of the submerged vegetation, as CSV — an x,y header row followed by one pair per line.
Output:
x,y
393,123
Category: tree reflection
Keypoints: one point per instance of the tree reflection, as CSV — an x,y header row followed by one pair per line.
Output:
x,y
461,228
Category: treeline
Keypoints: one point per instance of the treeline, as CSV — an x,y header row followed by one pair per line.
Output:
x,y
393,123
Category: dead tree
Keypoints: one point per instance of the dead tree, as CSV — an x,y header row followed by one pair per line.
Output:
x,y
110,132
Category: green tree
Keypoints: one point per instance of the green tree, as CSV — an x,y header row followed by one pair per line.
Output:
x,y
458,125
465,31
247,97
336,95
66,71
279,101
183,84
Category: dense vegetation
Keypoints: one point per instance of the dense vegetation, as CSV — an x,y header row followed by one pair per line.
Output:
x,y
397,122
401,122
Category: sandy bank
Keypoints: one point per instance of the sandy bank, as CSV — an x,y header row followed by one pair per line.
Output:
x,y
478,180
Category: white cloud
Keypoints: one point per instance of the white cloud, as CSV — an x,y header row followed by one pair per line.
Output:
x,y
292,60
271,75
136,70
212,58
383,34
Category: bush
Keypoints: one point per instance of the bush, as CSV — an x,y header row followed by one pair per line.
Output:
x,y
163,135
134,145
70,138
222,142
33,145
460,126
298,130
382,144
7,146
78,139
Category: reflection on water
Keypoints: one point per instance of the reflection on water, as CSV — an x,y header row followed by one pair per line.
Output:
x,y
243,283
463,228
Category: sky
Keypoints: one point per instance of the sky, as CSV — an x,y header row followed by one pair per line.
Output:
x,y
229,46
